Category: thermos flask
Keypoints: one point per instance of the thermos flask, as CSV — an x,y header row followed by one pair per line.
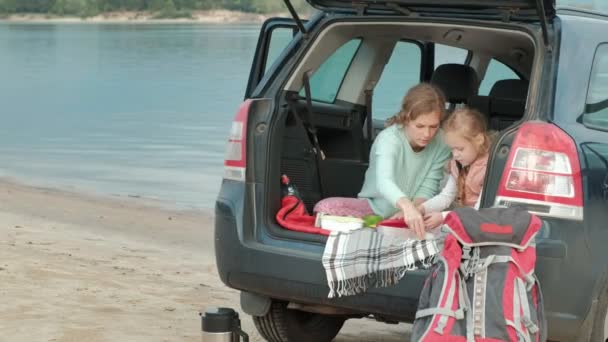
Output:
x,y
222,325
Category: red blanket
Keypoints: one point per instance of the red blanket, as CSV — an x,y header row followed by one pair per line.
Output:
x,y
293,216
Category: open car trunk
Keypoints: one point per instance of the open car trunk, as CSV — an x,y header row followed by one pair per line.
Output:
x,y
341,120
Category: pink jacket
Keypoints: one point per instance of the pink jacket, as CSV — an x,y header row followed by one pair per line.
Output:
x,y
475,174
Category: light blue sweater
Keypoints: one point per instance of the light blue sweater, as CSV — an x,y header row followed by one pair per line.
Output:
x,y
396,171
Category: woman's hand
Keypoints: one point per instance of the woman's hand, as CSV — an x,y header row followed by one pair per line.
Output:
x,y
433,220
398,215
412,217
421,209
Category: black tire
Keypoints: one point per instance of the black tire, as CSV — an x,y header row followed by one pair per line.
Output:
x,y
281,324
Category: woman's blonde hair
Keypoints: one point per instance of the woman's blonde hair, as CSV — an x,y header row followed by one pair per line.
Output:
x,y
421,99
470,124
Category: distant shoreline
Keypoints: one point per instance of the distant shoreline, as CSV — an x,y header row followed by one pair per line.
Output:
x,y
211,16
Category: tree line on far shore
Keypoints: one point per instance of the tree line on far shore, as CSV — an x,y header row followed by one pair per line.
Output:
x,y
161,8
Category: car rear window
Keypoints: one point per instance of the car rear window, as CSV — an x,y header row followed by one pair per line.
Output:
x,y
496,71
326,81
400,74
596,109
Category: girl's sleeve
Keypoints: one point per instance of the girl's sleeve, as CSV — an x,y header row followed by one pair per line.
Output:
x,y
444,199
478,203
387,152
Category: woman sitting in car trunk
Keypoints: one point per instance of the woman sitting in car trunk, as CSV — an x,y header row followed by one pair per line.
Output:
x,y
405,165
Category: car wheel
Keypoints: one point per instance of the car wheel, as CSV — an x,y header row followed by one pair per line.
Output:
x,y
281,324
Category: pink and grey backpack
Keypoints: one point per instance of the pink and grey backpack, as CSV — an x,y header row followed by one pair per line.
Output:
x,y
483,287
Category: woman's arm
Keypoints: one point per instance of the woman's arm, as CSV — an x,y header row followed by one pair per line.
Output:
x,y
386,154
444,199
430,184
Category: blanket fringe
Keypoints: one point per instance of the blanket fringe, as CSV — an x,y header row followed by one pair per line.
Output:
x,y
381,278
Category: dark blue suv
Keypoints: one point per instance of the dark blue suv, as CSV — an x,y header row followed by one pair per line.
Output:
x,y
538,73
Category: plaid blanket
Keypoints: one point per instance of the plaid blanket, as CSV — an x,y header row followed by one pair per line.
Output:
x,y
363,258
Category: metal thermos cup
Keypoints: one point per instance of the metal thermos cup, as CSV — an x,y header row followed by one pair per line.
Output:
x,y
222,325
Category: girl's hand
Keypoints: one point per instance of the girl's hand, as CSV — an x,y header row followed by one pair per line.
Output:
x,y
433,220
412,217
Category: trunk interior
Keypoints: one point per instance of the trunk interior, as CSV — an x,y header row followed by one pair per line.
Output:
x,y
347,58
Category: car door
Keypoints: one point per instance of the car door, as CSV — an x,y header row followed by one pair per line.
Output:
x,y
276,34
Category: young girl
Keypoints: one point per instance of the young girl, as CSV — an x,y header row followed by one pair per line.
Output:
x,y
405,165
466,134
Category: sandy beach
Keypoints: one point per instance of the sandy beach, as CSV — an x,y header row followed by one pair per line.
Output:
x,y
79,267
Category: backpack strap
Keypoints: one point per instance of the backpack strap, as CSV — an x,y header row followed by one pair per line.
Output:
x,y
466,302
525,305
443,320
444,312
528,277
472,263
520,303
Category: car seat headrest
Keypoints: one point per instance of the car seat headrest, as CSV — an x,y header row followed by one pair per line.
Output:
x,y
510,89
457,81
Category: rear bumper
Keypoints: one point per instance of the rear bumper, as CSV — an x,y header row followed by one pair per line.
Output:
x,y
285,274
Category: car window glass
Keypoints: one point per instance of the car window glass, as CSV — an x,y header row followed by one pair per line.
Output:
x,y
496,71
445,54
281,37
400,73
326,81
596,110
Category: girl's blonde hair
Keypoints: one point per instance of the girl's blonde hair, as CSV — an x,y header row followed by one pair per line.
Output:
x,y
470,124
421,99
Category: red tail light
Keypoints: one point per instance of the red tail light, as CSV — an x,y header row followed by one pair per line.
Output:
x,y
543,173
235,161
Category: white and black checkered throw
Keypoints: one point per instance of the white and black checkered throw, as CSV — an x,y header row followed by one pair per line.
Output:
x,y
360,259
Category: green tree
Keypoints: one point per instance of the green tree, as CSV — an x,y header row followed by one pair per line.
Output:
x,y
169,8
156,5
69,7
8,6
164,8
92,8
35,6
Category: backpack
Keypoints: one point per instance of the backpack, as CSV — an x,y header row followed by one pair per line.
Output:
x,y
483,287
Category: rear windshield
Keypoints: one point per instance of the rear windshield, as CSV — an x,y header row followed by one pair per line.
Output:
x,y
594,5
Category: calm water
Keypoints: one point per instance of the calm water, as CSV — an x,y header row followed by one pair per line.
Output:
x,y
138,109
133,109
